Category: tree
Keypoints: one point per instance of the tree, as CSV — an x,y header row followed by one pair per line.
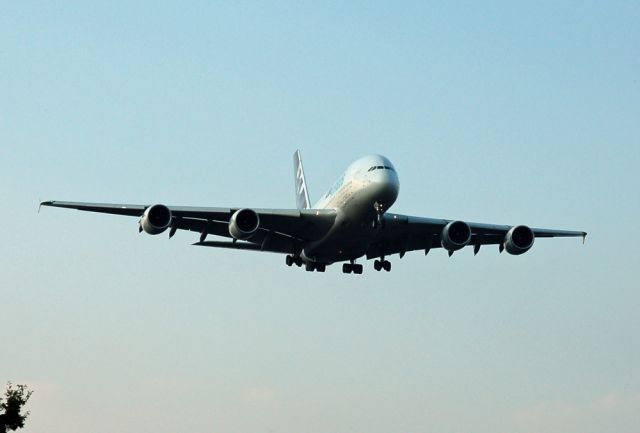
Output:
x,y
11,406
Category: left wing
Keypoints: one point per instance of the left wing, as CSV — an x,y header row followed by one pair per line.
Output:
x,y
404,233
279,230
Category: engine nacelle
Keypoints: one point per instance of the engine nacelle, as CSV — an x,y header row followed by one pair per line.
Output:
x,y
455,235
244,224
156,219
519,240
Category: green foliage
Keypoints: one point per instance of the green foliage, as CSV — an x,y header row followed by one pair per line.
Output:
x,y
11,407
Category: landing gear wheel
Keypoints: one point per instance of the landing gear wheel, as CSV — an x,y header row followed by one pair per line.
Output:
x,y
346,268
377,265
321,267
386,265
357,269
288,260
298,261
309,267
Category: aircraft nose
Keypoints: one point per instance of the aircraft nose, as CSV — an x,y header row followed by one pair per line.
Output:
x,y
387,186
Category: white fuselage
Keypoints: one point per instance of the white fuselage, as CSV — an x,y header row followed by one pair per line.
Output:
x,y
367,188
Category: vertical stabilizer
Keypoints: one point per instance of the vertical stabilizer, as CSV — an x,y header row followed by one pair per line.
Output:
x,y
302,195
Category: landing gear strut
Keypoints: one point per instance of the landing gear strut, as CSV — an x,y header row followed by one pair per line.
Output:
x,y
348,268
378,222
382,264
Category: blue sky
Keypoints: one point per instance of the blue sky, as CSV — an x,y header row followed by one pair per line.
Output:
x,y
498,112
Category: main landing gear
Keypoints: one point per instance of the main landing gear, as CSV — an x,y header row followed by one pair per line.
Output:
x,y
308,266
291,260
312,266
382,264
348,268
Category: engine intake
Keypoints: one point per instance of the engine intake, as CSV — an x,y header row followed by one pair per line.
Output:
x,y
156,219
455,235
244,224
519,240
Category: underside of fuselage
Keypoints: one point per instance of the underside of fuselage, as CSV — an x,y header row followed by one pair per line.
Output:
x,y
348,240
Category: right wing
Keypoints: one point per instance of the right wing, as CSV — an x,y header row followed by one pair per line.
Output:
x,y
403,233
280,230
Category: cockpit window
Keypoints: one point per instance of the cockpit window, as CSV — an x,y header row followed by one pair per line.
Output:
x,y
380,167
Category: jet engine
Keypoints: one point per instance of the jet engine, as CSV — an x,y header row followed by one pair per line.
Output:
x,y
244,224
156,219
455,235
519,240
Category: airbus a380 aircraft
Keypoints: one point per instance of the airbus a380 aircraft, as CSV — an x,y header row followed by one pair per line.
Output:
x,y
349,221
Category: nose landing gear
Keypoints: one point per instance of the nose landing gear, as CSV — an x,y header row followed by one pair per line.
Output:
x,y
378,222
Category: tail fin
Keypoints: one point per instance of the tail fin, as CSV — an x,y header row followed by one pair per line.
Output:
x,y
302,195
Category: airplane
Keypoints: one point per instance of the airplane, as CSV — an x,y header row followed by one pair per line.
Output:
x,y
349,222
